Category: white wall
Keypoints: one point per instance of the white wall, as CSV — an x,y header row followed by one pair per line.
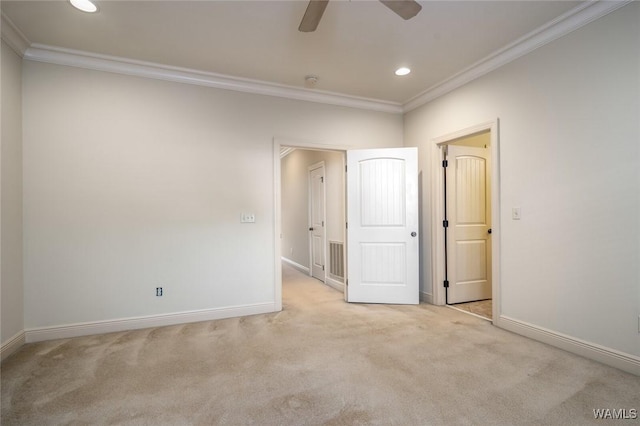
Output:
x,y
133,183
295,201
569,158
11,196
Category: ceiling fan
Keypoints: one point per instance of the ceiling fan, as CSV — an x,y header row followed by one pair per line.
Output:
x,y
406,9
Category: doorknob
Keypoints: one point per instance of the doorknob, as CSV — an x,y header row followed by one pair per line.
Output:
x,y
489,231
413,234
311,229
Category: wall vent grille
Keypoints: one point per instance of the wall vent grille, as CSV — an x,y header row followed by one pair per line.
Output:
x,y
336,260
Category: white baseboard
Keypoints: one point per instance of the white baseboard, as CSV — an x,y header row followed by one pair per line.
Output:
x,y
335,284
124,324
296,265
608,356
12,345
426,297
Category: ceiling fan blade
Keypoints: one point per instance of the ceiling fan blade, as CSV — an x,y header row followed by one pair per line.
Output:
x,y
312,15
406,9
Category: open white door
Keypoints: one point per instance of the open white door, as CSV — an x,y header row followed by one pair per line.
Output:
x,y
382,217
469,231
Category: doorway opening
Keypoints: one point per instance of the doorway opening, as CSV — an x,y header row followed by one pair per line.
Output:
x,y
381,242
466,224
310,212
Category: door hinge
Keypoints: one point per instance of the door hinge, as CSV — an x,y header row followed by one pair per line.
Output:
x,y
446,284
321,179
346,225
323,267
345,169
445,223
323,223
445,163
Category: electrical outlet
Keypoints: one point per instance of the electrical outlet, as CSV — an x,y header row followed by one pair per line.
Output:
x,y
158,291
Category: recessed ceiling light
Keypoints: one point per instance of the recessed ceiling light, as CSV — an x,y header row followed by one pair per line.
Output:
x,y
403,71
84,5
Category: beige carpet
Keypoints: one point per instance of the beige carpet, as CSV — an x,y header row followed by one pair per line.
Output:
x,y
484,308
319,362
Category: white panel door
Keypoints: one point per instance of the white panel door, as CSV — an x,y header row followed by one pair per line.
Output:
x,y
382,216
316,221
469,216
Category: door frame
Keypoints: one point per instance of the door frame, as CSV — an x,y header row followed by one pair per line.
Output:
x,y
437,212
278,143
318,165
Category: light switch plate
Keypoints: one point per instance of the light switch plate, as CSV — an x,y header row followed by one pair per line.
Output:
x,y
515,213
247,218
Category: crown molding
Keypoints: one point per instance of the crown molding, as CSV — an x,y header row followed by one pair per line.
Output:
x,y
13,36
93,61
286,150
564,24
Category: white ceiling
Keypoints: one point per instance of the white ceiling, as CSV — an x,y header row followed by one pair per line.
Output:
x,y
354,51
